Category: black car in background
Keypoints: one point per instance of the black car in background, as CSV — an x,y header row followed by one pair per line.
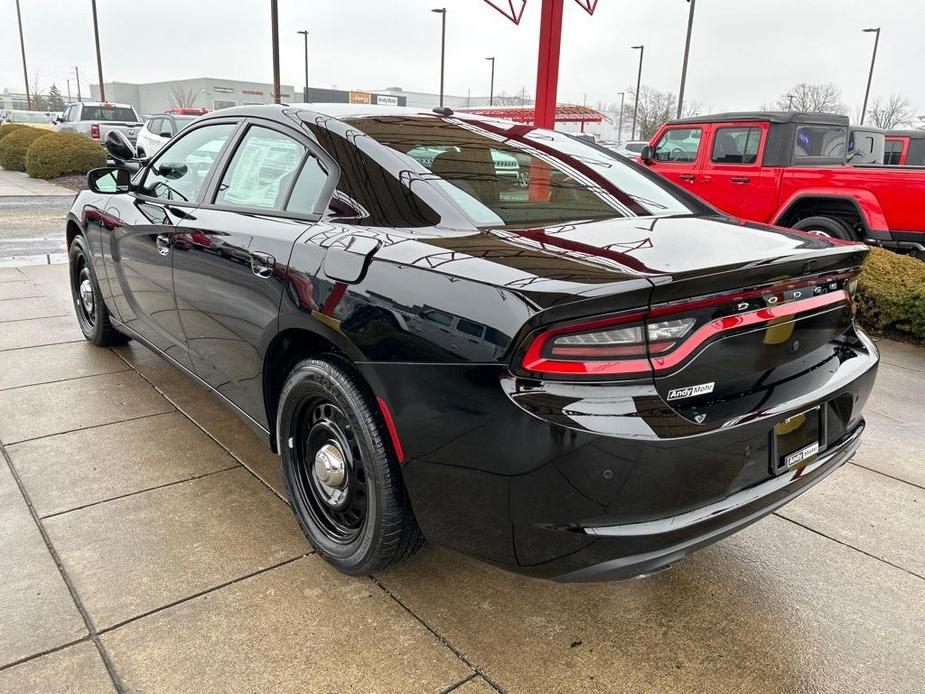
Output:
x,y
580,372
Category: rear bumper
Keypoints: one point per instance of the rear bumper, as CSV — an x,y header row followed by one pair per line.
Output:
x,y
708,524
585,482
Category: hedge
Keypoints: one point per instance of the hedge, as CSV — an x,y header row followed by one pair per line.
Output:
x,y
13,147
891,293
63,153
7,128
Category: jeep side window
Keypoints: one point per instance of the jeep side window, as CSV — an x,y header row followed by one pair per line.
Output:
x,y
736,145
679,145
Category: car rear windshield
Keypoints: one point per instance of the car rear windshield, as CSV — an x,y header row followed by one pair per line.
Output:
x,y
503,174
108,113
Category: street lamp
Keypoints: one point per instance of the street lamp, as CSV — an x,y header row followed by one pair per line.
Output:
x,y
491,88
99,60
642,52
870,77
687,51
274,40
620,127
25,71
305,91
442,12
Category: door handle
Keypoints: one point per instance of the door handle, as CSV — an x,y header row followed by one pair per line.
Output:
x,y
740,179
163,244
262,264
690,178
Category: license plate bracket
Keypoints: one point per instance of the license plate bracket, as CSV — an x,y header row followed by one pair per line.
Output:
x,y
797,440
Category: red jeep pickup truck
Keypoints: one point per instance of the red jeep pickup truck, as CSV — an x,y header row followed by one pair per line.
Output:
x,y
790,169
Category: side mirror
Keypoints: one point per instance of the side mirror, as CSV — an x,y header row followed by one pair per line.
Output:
x,y
110,179
119,146
647,154
172,171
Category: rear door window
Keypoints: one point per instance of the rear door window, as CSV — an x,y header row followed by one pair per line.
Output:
x,y
736,146
261,171
679,145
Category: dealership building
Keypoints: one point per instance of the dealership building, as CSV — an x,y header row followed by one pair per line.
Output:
x,y
215,94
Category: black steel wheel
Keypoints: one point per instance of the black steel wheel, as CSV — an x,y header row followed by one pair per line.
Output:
x,y
89,306
343,480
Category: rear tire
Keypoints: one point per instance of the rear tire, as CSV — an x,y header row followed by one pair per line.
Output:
x,y
92,314
824,226
343,480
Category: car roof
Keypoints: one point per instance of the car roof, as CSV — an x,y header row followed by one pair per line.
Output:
x,y
339,111
768,116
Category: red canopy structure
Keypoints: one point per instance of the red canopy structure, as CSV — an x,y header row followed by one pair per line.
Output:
x,y
547,72
564,113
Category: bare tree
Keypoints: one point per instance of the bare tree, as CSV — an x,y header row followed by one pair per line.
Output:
x,y
810,98
39,102
182,98
655,108
892,113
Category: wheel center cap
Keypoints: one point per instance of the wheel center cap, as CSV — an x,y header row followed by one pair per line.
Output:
x,y
86,295
330,467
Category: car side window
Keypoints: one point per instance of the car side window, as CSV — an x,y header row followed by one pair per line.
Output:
x,y
736,145
893,152
261,171
154,125
165,128
181,170
308,186
679,145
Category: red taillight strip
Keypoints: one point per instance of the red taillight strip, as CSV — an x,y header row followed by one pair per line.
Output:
x,y
534,361
393,432
743,320
685,305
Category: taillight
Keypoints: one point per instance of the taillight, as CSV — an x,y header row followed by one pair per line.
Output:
x,y
642,342
95,131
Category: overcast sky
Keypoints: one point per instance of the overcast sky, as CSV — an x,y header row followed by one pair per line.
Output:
x,y
744,52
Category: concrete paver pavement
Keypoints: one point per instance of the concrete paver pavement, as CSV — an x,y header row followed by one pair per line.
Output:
x,y
145,545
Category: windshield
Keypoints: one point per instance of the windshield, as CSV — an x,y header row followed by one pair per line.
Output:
x,y
108,113
503,174
28,118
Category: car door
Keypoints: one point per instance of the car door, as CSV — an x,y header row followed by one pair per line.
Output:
x,y
677,154
738,182
143,232
231,260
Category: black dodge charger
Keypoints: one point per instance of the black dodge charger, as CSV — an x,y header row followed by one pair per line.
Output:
x,y
500,338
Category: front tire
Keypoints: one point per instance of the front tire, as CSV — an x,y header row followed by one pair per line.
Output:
x,y
342,477
92,314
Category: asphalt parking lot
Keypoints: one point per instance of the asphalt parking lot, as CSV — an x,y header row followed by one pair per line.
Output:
x,y
145,545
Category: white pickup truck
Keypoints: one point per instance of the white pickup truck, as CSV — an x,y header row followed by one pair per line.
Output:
x,y
95,119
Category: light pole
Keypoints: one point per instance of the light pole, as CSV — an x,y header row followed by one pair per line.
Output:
x,y
790,103
25,71
99,60
305,92
870,77
274,40
491,88
642,52
687,51
442,13
620,127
